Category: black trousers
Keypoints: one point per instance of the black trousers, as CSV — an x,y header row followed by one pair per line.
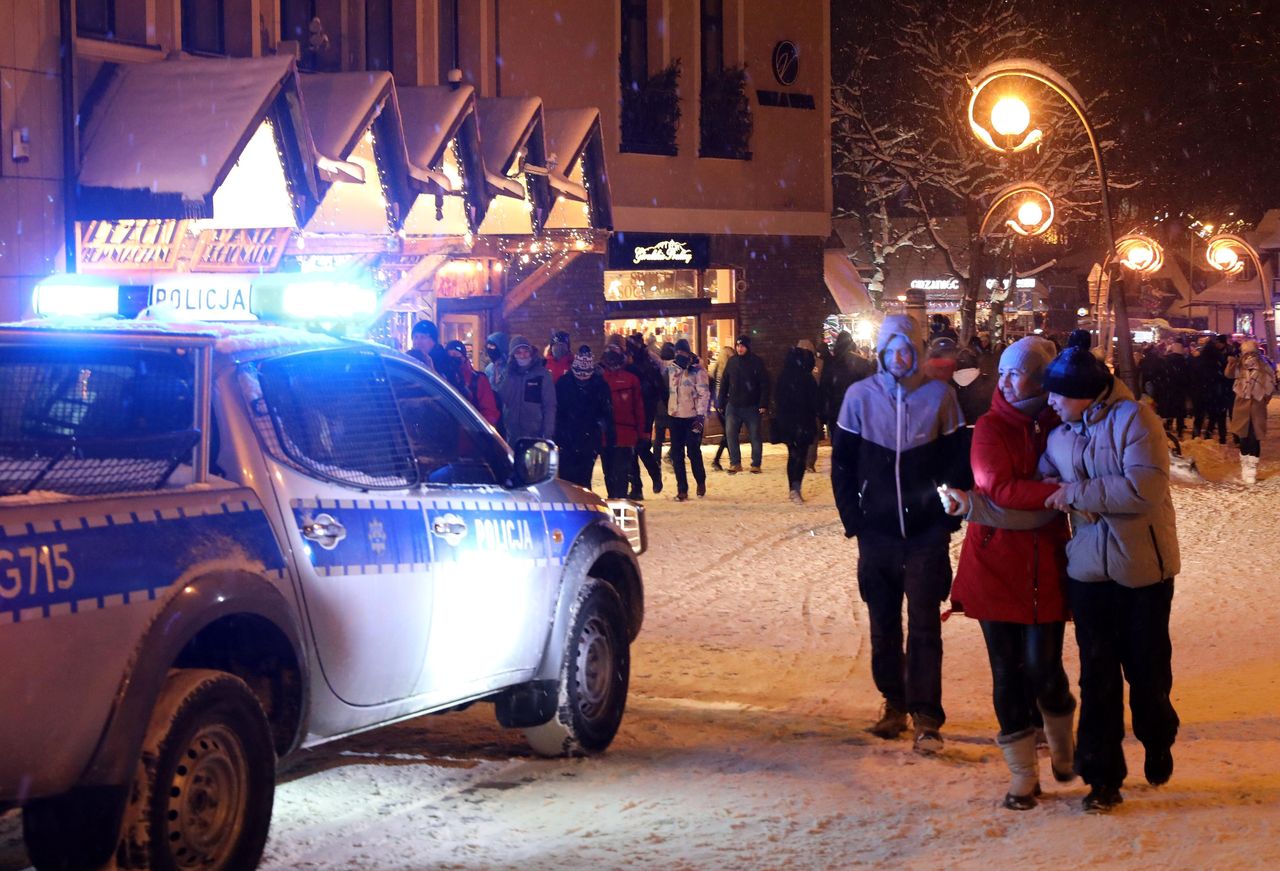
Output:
x,y
684,441
1209,414
1026,673
616,462
645,456
797,459
1123,634
577,467
919,569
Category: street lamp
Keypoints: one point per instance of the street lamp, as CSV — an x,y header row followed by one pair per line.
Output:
x,y
1033,213
1224,254
1011,118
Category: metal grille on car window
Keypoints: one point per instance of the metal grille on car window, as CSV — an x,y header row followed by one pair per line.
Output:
x,y
335,417
89,421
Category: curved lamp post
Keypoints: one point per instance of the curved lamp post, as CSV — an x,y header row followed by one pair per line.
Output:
x,y
1224,254
1011,121
1141,256
1032,212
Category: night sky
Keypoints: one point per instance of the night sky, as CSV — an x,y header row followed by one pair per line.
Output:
x,y
1194,88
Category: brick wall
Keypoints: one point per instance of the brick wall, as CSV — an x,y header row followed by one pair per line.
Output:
x,y
572,300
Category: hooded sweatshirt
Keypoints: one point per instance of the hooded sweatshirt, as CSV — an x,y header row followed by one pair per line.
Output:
x,y
895,442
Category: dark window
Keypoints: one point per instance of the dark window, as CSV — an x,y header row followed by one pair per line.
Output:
x,y
333,415
447,39
96,18
712,38
451,444
378,40
316,26
204,26
635,43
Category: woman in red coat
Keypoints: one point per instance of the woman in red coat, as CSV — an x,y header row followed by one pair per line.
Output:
x,y
1012,581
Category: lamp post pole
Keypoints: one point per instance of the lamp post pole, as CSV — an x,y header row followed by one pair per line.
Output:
x,y
1229,242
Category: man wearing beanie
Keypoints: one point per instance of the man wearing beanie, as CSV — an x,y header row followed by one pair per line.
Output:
x,y
527,395
899,435
584,418
744,395
1112,458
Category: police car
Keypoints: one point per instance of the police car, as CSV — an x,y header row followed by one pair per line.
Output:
x,y
223,542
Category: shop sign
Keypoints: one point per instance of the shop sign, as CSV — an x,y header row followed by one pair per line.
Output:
x,y
129,245
658,251
935,284
235,250
786,63
204,297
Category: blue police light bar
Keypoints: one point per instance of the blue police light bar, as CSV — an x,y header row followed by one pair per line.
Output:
x,y
74,295
325,298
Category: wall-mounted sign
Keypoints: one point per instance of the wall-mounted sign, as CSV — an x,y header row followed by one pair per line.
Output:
x,y
786,63
658,251
935,284
199,297
129,245
239,250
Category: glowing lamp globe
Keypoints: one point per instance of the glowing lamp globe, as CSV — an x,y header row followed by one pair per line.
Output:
x,y
1010,116
1139,257
1225,258
1030,214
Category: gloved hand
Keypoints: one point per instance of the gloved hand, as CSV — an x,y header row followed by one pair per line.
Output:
x,y
698,423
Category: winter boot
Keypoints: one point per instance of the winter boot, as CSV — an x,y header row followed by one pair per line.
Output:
x,y
928,739
1102,799
1019,751
892,723
1062,744
1158,766
1248,469
796,497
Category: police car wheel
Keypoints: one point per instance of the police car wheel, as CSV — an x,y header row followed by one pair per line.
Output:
x,y
206,781
593,677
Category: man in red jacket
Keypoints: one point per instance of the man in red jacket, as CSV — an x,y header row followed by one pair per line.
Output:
x,y
1013,581
470,383
628,421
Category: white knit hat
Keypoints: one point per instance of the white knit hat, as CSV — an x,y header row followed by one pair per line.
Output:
x,y
1031,354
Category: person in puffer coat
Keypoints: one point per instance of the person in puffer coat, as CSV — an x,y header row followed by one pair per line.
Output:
x,y
688,401
628,421
584,418
898,437
527,395
1112,459
1014,581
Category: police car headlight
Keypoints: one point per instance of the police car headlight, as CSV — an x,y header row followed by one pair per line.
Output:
x,y
628,516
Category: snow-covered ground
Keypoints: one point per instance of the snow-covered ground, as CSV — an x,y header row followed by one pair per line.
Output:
x,y
744,742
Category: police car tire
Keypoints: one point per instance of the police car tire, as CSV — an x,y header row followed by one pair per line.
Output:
x,y
208,735
594,676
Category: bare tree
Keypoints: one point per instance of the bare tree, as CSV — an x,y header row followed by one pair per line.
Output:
x,y
901,138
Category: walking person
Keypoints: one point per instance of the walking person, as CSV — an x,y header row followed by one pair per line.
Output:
x,y
1013,582
426,349
716,374
688,401
795,421
898,436
1254,383
625,394
1172,383
473,385
584,419
744,394
495,348
845,368
527,395
662,421
820,361
653,395
1212,397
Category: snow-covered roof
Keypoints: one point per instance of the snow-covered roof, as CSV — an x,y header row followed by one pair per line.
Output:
x,y
574,136
432,117
169,132
507,124
1246,293
567,135
844,283
341,106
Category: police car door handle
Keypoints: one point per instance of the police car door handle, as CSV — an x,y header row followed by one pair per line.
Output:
x,y
446,527
325,530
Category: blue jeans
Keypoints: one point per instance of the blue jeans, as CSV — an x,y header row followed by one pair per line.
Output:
x,y
735,417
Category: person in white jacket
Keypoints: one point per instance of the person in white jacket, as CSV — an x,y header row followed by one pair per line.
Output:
x,y
688,402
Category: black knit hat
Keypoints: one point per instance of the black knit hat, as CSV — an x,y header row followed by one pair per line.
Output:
x,y
1076,373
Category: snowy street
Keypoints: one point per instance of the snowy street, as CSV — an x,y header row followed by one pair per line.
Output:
x,y
744,742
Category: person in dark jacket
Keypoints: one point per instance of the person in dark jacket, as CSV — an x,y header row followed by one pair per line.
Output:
x,y
795,419
1212,398
527,395
473,385
744,395
584,418
1172,386
628,422
898,437
559,356
495,348
1014,581
974,388
661,420
426,345
846,368
653,393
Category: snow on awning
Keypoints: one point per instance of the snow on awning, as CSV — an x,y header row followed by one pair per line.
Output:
x,y
578,176
355,123
445,164
1246,293
513,144
844,283
164,136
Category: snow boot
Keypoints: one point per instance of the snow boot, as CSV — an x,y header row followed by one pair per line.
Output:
x,y
928,740
1058,729
796,497
892,723
1102,799
1158,766
1248,469
1019,751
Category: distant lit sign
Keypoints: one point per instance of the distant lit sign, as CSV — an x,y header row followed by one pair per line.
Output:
x,y
204,297
236,250
129,245
658,251
935,284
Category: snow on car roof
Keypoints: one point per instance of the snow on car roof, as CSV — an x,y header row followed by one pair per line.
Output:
x,y
229,339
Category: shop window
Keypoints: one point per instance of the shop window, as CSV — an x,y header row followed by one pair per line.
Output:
x,y
629,286
316,26
378,41
658,330
96,18
204,27
719,285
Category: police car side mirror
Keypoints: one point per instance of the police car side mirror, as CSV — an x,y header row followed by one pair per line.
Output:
x,y
537,461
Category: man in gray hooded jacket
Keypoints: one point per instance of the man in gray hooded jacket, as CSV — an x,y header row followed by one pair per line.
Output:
x,y
899,436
